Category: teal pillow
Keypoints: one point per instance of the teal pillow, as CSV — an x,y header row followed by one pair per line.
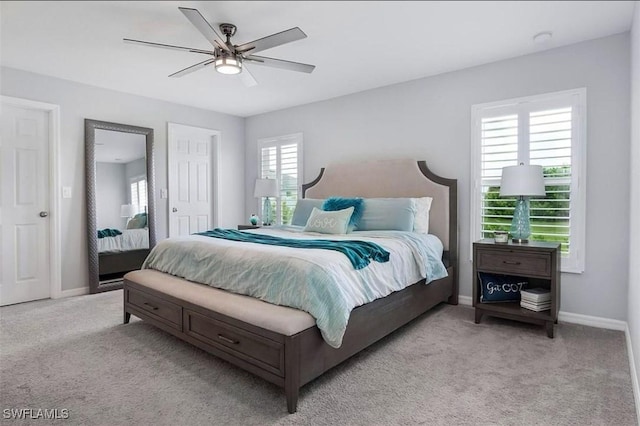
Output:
x,y
339,203
329,222
388,214
303,210
139,221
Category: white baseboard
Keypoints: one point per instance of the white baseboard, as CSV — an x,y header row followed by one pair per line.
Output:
x,y
74,292
634,373
598,322
571,318
465,300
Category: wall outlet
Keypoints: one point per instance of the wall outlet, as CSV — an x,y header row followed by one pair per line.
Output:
x,y
66,192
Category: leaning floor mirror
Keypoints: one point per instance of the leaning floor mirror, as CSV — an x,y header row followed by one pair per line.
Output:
x,y
120,201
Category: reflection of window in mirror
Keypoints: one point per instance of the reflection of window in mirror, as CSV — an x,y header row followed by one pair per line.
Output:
x,y
138,187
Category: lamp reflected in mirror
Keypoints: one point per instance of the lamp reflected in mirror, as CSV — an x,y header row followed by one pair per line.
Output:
x,y
127,211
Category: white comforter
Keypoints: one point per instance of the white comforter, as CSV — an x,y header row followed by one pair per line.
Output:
x,y
321,282
130,239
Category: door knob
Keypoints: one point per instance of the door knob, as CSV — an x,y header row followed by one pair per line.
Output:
x,y
174,210
44,214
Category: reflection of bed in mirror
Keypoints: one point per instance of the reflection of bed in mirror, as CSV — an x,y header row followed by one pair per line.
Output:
x,y
122,253
120,213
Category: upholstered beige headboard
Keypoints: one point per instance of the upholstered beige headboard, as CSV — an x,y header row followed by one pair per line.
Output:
x,y
394,178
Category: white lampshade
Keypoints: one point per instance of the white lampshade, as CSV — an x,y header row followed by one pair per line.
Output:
x,y
522,180
127,210
266,188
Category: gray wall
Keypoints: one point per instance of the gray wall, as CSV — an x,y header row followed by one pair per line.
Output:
x,y
135,168
77,102
634,229
111,193
430,119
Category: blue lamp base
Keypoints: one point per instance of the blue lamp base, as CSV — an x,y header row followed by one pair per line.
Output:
x,y
520,226
266,211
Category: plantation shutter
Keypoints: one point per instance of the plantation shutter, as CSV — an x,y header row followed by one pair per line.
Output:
x,y
134,196
280,159
288,181
546,142
550,147
499,148
139,195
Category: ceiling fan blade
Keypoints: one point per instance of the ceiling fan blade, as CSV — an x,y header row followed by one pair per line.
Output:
x,y
247,78
167,46
204,27
273,40
280,63
192,68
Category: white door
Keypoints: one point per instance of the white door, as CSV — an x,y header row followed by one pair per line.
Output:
x,y
24,205
191,150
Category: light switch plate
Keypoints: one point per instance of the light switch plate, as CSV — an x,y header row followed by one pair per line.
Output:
x,y
66,192
163,193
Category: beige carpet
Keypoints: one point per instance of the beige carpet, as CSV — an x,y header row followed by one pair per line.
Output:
x,y
442,369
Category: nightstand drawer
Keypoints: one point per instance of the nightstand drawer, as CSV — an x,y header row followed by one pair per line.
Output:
x,y
514,263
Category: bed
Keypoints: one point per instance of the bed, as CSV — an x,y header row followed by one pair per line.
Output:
x,y
122,253
285,345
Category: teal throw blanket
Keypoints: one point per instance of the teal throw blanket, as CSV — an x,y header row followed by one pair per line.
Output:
x,y
359,253
108,232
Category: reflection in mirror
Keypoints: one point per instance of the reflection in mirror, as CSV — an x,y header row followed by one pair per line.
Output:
x,y
120,212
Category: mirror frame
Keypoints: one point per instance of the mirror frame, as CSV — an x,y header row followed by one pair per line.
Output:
x,y
90,126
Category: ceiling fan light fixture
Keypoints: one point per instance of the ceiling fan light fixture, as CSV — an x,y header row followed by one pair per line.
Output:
x,y
228,64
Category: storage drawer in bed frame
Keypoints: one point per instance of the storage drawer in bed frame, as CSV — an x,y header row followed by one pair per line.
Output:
x,y
287,361
260,351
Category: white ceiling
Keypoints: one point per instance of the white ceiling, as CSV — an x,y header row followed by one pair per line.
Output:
x,y
355,45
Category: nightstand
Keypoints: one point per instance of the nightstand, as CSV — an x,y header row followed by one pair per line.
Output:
x,y
539,262
243,227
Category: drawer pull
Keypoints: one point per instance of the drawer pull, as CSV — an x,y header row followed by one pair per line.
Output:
x,y
509,262
155,308
226,339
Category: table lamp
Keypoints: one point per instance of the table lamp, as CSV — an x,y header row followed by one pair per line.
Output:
x,y
523,182
128,211
266,188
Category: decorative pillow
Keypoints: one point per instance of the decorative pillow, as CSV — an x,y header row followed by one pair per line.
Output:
x,y
339,203
390,214
139,221
303,210
421,223
500,288
329,222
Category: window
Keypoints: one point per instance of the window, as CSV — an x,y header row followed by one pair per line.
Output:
x,y
547,130
138,188
281,158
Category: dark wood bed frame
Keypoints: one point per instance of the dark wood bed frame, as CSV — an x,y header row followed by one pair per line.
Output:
x,y
293,361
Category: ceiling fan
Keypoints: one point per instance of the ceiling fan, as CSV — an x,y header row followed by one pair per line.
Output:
x,y
228,58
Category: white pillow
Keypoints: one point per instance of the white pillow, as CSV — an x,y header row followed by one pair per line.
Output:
x,y
421,220
329,222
